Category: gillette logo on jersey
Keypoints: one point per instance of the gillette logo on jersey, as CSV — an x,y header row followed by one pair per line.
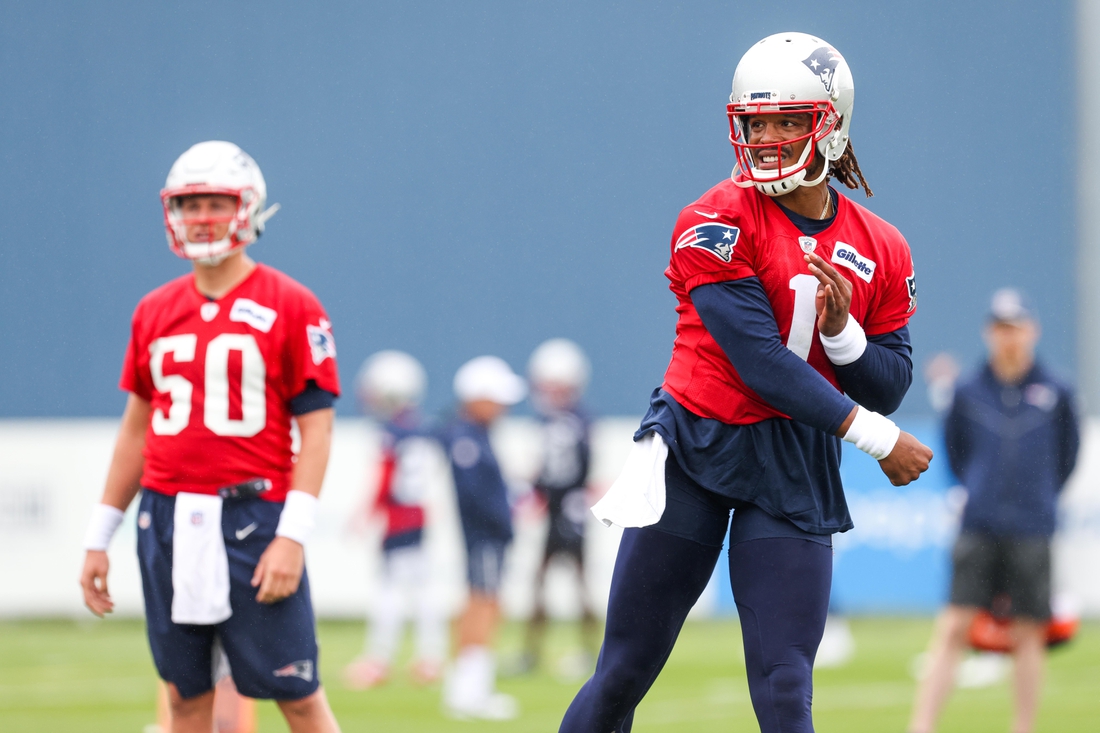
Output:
x,y
220,380
718,239
845,255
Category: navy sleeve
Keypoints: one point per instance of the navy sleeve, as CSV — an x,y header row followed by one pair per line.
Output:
x,y
956,436
1070,439
881,376
739,316
310,399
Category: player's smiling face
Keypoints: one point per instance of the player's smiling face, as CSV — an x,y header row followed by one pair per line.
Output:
x,y
207,216
777,129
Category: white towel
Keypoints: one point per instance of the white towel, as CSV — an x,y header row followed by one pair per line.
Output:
x,y
200,567
637,498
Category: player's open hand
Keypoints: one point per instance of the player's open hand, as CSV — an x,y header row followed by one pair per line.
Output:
x,y
93,579
279,570
834,296
908,460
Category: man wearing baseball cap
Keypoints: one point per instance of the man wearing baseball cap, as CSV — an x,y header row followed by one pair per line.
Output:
x,y
485,387
1012,439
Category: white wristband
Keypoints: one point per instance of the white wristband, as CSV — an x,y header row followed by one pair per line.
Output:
x,y
874,434
298,518
102,526
846,346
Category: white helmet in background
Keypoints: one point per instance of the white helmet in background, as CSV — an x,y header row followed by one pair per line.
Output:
x,y
559,361
489,378
392,381
784,74
216,167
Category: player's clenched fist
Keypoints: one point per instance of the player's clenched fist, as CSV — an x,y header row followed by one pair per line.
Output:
x,y
907,461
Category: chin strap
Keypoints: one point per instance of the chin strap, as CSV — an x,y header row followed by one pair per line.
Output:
x,y
782,186
821,177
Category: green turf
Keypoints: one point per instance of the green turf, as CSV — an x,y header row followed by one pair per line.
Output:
x,y
63,676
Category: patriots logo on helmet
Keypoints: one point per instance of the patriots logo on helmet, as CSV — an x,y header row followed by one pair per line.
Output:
x,y
911,283
302,669
718,239
823,62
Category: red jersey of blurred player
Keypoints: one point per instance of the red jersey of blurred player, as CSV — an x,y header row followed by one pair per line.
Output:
x,y
220,376
403,514
731,233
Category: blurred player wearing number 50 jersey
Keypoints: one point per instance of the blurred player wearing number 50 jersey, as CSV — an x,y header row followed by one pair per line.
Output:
x,y
219,363
793,305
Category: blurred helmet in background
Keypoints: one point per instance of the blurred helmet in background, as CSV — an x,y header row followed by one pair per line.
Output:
x,y
559,373
489,378
790,73
216,168
390,382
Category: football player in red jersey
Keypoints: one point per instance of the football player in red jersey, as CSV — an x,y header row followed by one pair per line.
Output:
x,y
793,305
220,361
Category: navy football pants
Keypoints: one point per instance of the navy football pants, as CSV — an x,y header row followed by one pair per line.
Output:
x,y
781,586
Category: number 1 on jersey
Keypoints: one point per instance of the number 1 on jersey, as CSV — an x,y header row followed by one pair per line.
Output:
x,y
801,336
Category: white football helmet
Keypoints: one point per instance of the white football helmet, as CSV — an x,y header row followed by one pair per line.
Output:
x,y
391,381
784,74
559,361
216,167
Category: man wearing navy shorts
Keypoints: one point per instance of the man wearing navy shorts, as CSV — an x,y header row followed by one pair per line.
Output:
x,y
1012,439
220,361
486,387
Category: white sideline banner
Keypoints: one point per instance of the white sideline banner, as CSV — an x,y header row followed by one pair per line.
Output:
x,y
52,472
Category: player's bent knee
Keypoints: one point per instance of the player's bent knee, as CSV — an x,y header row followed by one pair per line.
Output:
x,y
306,707
791,688
187,707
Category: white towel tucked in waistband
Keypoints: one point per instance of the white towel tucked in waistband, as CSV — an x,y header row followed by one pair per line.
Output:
x,y
637,498
200,568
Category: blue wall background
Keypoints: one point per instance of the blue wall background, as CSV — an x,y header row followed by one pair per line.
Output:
x,y
467,178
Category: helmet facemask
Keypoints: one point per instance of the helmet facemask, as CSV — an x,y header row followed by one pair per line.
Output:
x,y
240,232
780,180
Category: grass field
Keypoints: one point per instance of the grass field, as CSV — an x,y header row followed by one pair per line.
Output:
x,y
93,677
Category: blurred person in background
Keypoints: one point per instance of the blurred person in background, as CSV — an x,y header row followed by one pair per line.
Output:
x,y
1012,439
485,387
391,385
558,371
220,361
793,305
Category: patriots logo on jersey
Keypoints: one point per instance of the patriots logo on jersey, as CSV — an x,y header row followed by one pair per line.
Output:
x,y
718,239
911,283
823,62
321,344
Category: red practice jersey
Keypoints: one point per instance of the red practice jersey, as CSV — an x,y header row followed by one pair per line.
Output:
x,y
220,376
732,233
403,479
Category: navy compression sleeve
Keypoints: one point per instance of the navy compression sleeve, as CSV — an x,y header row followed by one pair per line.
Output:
x,y
739,316
310,399
881,376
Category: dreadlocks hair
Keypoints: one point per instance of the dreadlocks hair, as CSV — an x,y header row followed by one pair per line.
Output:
x,y
846,170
